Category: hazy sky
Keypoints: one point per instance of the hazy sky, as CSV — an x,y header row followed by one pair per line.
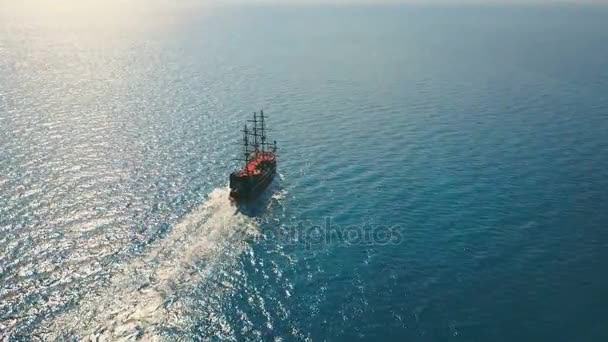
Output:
x,y
49,7
454,2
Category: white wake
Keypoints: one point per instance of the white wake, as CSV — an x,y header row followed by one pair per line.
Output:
x,y
141,296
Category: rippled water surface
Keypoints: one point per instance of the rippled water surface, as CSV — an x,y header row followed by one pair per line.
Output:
x,y
472,143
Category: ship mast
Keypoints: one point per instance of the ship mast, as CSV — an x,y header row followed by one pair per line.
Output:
x,y
255,131
246,144
263,135
255,134
258,132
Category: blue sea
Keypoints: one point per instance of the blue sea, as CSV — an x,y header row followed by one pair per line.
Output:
x,y
443,172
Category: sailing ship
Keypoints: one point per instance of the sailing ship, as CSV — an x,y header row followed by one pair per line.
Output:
x,y
260,162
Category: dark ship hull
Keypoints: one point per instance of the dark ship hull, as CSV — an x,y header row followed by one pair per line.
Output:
x,y
243,187
260,163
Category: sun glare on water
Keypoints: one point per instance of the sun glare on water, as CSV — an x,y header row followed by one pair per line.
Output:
x,y
93,11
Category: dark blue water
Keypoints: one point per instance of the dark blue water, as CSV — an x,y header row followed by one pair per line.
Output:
x,y
443,173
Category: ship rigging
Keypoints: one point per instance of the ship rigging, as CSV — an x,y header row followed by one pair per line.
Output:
x,y
260,161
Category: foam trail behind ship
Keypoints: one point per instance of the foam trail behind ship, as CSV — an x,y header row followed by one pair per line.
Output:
x,y
142,295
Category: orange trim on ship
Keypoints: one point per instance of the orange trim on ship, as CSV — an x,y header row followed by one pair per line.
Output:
x,y
252,165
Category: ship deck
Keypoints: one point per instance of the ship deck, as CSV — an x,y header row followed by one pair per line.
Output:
x,y
251,167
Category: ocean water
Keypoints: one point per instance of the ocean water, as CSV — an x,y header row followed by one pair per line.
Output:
x,y
443,172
